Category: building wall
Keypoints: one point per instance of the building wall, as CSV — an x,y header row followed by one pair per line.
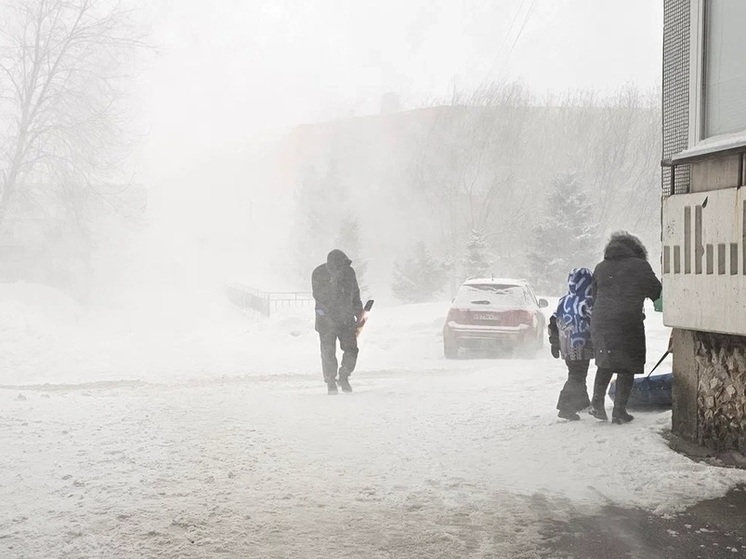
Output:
x,y
721,391
675,90
716,173
704,264
686,379
710,389
704,261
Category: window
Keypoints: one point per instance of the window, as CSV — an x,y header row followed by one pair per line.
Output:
x,y
717,78
724,68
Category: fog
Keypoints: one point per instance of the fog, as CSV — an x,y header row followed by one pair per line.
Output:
x,y
214,96
172,172
227,84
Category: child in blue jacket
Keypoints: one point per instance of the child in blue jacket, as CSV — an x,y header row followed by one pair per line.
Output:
x,y
570,338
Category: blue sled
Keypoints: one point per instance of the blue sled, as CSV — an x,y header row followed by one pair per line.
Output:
x,y
649,392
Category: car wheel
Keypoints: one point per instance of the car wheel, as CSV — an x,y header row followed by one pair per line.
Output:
x,y
539,343
529,348
450,349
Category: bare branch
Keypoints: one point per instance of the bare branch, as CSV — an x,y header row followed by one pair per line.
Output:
x,y
60,60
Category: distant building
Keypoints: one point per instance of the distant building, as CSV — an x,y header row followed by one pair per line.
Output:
x,y
425,175
704,217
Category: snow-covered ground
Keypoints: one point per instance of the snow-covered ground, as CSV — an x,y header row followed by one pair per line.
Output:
x,y
210,435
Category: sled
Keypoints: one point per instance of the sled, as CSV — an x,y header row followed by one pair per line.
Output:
x,y
364,318
649,392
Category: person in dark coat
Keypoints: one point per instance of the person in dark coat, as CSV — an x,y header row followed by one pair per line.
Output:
x,y
621,283
570,338
338,310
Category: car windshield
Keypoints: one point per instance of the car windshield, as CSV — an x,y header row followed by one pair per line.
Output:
x,y
491,295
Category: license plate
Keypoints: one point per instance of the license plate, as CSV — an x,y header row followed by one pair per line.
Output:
x,y
478,316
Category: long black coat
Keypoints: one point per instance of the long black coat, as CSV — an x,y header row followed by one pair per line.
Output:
x,y
337,293
621,283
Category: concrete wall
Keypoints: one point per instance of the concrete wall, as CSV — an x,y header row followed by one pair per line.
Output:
x,y
704,261
684,422
710,389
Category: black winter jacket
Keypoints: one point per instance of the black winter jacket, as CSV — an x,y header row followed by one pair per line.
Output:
x,y
337,293
621,283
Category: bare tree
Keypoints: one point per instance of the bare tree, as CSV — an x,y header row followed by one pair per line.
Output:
x,y
465,165
615,142
63,66
490,156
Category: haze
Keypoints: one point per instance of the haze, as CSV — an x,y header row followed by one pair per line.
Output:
x,y
230,80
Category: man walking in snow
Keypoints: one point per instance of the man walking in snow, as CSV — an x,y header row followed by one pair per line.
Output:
x,y
338,310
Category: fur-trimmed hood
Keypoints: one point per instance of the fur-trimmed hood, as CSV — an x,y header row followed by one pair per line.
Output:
x,y
625,245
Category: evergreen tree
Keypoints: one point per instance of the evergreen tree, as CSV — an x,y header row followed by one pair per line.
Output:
x,y
420,278
476,262
566,238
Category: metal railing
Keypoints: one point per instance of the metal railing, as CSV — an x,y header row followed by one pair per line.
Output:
x,y
264,302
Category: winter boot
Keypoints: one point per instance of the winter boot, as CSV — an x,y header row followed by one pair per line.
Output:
x,y
569,415
624,382
603,376
598,412
332,388
619,418
344,384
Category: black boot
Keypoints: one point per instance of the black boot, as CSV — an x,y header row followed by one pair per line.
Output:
x,y
624,382
574,395
569,415
619,418
598,410
344,384
332,388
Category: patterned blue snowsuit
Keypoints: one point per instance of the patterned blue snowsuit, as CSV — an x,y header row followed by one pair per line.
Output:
x,y
570,337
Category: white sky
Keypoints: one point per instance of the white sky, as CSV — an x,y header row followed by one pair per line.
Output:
x,y
232,74
229,68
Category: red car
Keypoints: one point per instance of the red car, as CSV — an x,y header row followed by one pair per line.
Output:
x,y
495,315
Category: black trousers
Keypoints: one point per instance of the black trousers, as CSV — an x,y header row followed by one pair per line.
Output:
x,y
574,395
347,343
624,381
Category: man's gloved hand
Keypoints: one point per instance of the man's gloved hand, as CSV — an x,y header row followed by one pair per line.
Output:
x,y
555,352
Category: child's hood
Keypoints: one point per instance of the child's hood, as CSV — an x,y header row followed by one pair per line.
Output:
x,y
579,282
